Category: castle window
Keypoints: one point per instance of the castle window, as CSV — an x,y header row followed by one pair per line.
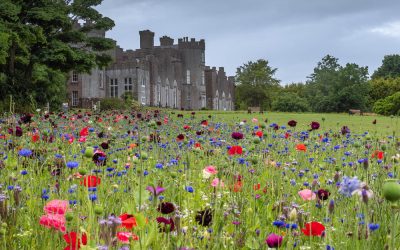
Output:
x,y
187,76
143,82
203,100
74,76
101,80
128,84
143,100
74,100
114,88
203,78
203,58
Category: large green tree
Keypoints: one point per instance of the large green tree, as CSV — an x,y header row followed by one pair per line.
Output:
x,y
390,67
41,41
256,85
335,88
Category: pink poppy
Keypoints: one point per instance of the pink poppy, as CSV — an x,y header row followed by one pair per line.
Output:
x,y
210,170
217,183
82,139
307,194
255,120
123,237
55,221
56,207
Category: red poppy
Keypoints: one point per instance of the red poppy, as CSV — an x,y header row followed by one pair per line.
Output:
x,y
35,137
186,127
84,131
73,241
197,145
128,221
313,229
204,123
287,135
238,186
235,150
91,181
301,147
257,186
259,134
378,154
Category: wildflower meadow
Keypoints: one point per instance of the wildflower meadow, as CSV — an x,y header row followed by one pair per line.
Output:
x,y
162,179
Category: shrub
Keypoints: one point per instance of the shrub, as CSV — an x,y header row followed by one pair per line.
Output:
x,y
290,102
389,105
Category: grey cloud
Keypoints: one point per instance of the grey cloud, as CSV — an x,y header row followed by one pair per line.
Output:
x,y
292,34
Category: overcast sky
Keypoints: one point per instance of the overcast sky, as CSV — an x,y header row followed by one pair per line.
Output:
x,y
293,35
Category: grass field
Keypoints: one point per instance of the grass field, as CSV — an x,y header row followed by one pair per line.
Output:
x,y
211,180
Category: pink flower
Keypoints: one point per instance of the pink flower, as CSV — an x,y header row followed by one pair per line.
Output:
x,y
56,221
56,207
255,120
82,139
208,171
217,182
307,194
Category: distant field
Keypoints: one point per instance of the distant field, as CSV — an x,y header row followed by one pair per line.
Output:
x,y
356,123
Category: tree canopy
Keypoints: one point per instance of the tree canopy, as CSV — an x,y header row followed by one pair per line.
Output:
x,y
256,84
41,41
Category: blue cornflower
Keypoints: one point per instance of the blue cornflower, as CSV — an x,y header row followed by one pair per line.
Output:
x,y
145,172
159,165
278,223
72,164
72,202
45,197
189,189
349,185
328,247
24,172
25,152
92,197
92,189
372,227
109,169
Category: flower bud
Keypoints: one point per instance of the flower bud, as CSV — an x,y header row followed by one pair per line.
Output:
x,y
391,190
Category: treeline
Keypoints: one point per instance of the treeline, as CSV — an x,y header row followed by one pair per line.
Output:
x,y
330,88
41,42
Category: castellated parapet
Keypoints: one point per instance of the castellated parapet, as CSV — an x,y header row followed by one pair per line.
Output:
x,y
169,75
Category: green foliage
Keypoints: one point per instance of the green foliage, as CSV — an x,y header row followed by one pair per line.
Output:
x,y
123,103
390,67
334,88
41,41
290,102
256,85
389,105
381,88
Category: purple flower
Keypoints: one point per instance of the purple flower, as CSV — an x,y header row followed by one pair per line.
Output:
x,y
349,185
314,125
274,240
237,135
155,191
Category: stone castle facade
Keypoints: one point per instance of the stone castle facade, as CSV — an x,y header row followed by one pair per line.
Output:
x,y
172,75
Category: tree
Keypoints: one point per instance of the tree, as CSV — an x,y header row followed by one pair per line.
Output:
x,y
334,88
381,88
389,105
41,41
390,67
256,84
290,102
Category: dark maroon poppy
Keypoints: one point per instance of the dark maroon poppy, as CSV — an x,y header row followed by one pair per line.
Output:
x,y
180,137
314,125
99,157
159,123
204,217
180,116
199,132
237,135
104,145
193,113
276,127
27,118
166,225
374,121
166,208
323,194
18,131
139,115
292,123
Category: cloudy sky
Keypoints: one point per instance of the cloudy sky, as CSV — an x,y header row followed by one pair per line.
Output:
x,y
293,35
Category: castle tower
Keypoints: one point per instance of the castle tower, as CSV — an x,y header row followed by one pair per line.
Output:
x,y
146,39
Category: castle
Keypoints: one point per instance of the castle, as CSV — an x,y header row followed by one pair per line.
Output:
x,y
169,75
